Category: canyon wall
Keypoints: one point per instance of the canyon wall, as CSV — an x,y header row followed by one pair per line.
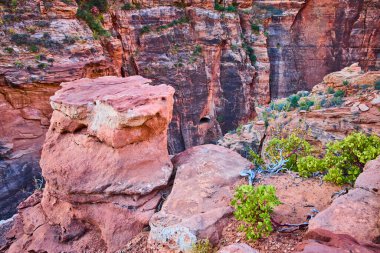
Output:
x,y
309,39
221,63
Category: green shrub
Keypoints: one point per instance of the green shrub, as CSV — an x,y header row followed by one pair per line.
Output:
x,y
9,50
250,52
42,65
330,90
145,29
255,158
20,38
281,107
18,64
292,148
339,93
94,22
293,99
202,246
34,48
345,159
336,101
345,83
255,28
253,207
308,165
306,104
377,85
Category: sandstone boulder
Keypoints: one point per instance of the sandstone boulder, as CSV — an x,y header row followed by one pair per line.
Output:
x,y
105,159
200,198
356,213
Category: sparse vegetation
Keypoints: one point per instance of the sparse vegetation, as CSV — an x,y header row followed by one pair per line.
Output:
x,y
344,159
255,28
202,246
9,50
345,83
223,7
91,12
330,90
131,6
339,93
253,207
291,148
377,85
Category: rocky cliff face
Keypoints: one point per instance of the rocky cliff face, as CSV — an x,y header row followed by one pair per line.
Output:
x,y
309,39
221,63
105,160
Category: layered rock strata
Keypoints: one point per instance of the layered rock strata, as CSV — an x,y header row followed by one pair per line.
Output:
x,y
105,160
41,46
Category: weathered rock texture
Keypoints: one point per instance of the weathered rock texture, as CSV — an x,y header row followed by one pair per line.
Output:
x,y
361,205
105,159
66,51
309,39
199,202
220,63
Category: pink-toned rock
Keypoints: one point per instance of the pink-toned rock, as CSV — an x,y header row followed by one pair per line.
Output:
x,y
200,198
363,107
357,212
320,240
105,159
369,179
238,248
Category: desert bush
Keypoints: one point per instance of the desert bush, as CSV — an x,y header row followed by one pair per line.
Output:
x,y
255,28
293,99
291,148
306,104
345,83
253,207
255,158
339,93
202,246
346,158
377,85
145,29
330,90
9,50
309,165
93,20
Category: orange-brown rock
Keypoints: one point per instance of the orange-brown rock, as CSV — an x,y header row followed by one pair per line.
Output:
x,y
104,159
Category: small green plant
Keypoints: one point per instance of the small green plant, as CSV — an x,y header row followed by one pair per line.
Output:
x,y
293,99
145,29
9,50
202,246
330,90
345,83
253,207
250,52
339,93
377,85
255,158
94,21
336,101
239,129
18,64
306,104
255,28
34,49
42,65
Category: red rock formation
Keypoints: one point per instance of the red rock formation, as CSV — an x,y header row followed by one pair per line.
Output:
x,y
309,39
219,62
105,159
66,51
